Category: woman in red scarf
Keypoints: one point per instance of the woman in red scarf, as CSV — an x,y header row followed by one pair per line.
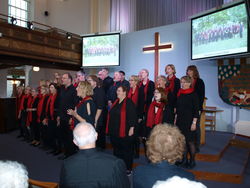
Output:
x,y
122,119
199,88
32,116
85,110
23,114
187,113
51,115
173,86
155,111
41,115
133,94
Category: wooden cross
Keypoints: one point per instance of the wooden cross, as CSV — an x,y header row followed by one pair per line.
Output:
x,y
156,48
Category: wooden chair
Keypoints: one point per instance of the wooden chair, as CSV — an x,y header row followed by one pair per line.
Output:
x,y
42,184
210,117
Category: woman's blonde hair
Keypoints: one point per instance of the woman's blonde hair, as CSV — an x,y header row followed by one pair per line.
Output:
x,y
85,88
135,78
165,143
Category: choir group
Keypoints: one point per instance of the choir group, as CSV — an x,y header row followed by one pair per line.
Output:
x,y
126,111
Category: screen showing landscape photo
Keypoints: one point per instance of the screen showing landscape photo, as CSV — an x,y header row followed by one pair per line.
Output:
x,y
101,50
221,33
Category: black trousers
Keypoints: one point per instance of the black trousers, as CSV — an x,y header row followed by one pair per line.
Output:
x,y
67,138
123,149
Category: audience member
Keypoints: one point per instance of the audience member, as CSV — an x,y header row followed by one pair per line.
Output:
x,y
165,146
90,168
178,182
13,175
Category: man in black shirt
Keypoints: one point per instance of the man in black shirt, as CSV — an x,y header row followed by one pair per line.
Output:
x,y
89,167
107,81
68,100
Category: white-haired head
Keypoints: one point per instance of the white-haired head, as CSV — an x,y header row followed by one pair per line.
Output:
x,y
84,135
178,182
13,175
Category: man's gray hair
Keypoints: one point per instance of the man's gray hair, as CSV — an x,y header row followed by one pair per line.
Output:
x,y
82,139
178,182
13,175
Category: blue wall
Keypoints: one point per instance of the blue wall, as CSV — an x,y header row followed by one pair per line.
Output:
x,y
133,60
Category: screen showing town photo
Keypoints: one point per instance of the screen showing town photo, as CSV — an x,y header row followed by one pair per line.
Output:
x,y
102,50
221,33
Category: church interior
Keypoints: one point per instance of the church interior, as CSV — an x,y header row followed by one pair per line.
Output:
x,y
41,37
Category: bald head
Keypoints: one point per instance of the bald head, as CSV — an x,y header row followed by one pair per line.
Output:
x,y
84,136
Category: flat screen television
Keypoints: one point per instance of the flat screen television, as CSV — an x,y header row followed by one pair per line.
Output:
x,y
223,32
101,50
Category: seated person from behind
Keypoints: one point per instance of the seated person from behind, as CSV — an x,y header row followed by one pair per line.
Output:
x,y
13,175
90,168
178,182
165,146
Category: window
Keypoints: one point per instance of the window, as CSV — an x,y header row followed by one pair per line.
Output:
x,y
19,9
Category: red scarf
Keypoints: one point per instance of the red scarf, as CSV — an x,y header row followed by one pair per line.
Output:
x,y
50,106
145,89
185,91
194,82
122,118
133,96
77,106
18,103
170,87
30,105
75,85
22,102
40,107
155,118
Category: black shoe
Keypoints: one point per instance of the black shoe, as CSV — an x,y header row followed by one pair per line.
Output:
x,y
197,150
51,151
191,164
129,172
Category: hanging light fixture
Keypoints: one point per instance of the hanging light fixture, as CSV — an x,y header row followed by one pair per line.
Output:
x,y
36,69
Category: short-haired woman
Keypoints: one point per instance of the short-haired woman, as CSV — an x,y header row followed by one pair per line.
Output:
x,y
165,146
121,122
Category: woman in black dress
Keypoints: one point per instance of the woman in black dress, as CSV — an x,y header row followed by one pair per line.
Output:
x,y
187,113
99,98
121,122
199,88
85,110
51,115
172,88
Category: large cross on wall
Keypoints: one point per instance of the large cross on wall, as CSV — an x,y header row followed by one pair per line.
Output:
x,y
157,48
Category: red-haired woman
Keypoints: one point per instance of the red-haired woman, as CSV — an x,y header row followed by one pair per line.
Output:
x,y
155,111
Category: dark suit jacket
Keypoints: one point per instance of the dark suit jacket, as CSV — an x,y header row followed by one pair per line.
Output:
x,y
93,169
199,88
146,176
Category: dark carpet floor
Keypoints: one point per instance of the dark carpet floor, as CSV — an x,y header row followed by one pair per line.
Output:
x,y
45,167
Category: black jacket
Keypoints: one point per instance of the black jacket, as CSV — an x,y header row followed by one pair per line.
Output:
x,y
93,169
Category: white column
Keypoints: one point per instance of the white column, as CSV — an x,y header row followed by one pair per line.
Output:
x,y
27,70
